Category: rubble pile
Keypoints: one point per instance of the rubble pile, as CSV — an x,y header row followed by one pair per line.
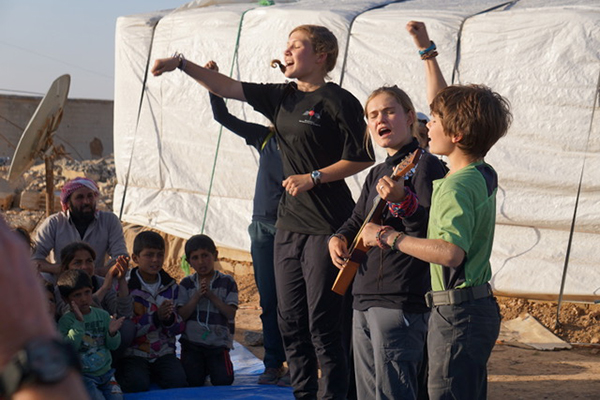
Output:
x,y
25,199
579,322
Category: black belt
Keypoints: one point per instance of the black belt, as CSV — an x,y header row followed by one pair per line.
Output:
x,y
457,296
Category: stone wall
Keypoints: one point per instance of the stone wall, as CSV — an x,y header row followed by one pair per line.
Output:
x,y
86,129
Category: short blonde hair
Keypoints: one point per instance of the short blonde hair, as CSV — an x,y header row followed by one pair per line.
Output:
x,y
323,42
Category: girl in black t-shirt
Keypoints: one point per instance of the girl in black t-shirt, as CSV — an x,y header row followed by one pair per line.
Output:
x,y
320,129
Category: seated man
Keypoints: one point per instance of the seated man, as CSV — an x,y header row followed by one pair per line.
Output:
x,y
79,221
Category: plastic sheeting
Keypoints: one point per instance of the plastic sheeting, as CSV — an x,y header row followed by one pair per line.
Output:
x,y
542,55
247,368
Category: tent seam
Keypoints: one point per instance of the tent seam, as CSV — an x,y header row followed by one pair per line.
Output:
x,y
137,123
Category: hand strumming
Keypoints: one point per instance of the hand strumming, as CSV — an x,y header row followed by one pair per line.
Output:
x,y
338,251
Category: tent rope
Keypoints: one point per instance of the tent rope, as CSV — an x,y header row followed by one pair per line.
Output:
x,y
214,166
137,123
573,220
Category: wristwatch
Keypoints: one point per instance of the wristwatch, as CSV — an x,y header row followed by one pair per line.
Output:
x,y
42,361
316,177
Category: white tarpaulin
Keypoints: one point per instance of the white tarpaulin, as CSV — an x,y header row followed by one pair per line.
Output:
x,y
184,174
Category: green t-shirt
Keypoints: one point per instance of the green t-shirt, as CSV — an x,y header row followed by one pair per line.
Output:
x,y
91,339
463,212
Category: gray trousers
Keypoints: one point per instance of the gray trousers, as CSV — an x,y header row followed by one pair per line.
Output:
x,y
388,347
460,340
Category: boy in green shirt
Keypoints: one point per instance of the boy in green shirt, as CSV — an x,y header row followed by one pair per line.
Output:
x,y
465,319
93,334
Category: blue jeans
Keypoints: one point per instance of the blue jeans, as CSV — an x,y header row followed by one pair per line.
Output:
x,y
103,387
460,341
388,347
262,237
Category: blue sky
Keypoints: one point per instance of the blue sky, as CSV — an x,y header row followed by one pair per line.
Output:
x,y
43,39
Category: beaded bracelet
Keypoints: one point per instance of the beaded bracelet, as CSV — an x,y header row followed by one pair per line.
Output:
x,y
427,50
407,207
398,236
429,56
380,232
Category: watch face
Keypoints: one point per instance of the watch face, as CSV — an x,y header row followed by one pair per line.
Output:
x,y
48,361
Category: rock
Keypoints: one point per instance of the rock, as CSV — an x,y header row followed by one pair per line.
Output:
x,y
6,200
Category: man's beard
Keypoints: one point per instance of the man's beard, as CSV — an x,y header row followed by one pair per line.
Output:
x,y
83,214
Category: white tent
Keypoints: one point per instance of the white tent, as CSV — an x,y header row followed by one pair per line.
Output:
x,y
184,174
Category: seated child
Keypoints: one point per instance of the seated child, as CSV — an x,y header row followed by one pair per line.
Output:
x,y
80,255
208,300
92,332
151,357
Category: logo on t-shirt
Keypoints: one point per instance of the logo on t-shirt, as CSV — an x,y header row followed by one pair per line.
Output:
x,y
311,117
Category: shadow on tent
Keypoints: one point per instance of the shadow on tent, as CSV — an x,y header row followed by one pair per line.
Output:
x,y
247,369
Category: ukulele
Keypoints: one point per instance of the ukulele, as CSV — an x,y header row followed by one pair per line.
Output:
x,y
358,250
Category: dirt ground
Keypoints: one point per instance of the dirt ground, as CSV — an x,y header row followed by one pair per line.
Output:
x,y
514,373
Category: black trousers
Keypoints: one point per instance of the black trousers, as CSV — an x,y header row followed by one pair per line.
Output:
x,y
200,362
310,315
135,374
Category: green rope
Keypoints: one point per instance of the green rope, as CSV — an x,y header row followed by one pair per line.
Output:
x,y
185,265
233,61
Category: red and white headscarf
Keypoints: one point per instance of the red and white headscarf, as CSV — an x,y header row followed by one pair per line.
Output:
x,y
72,186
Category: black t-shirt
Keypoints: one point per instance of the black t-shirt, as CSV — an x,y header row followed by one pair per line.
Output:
x,y
314,130
390,279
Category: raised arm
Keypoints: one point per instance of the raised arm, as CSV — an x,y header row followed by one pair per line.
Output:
x,y
433,75
217,83
254,134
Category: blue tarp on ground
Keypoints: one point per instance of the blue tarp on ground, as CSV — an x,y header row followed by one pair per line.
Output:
x,y
247,369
